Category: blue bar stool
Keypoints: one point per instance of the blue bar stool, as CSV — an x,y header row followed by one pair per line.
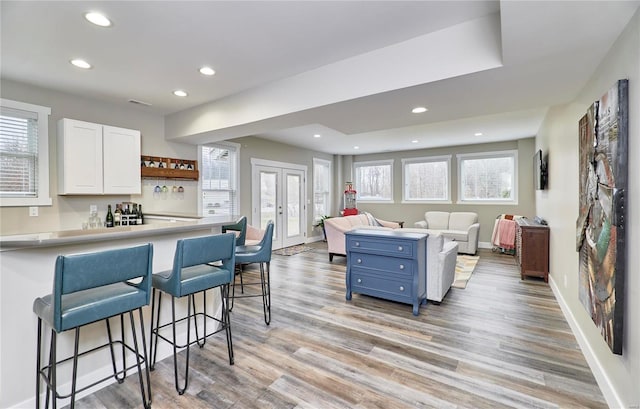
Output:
x,y
239,226
260,253
88,288
190,275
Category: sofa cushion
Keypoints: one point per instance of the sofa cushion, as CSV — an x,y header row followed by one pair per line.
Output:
x,y
437,220
461,220
457,235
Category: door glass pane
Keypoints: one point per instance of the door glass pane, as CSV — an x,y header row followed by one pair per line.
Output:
x,y
293,205
267,198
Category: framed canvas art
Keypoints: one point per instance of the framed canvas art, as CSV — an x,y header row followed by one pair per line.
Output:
x,y
603,133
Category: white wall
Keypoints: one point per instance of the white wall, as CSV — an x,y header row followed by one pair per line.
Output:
x,y
618,376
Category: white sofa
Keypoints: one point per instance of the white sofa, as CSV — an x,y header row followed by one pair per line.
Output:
x,y
336,227
441,264
462,227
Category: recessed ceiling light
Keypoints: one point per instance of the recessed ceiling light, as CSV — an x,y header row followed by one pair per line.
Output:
x,y
179,93
317,135
207,71
98,19
80,63
478,134
419,110
414,141
356,147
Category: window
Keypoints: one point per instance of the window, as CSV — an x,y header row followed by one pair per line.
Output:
x,y
374,181
426,179
24,154
321,189
219,179
488,177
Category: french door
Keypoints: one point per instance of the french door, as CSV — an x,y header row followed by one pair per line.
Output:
x,y
278,194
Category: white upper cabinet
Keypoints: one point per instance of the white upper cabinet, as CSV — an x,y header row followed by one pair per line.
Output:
x,y
97,159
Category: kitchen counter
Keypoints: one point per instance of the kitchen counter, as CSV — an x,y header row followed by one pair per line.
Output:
x,y
27,265
161,224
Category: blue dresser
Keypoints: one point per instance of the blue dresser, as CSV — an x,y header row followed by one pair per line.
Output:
x,y
388,264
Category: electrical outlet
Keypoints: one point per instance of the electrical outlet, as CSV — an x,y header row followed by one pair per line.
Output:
x,y
565,281
93,208
33,211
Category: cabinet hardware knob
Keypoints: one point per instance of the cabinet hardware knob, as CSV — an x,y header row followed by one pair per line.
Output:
x,y
359,260
401,266
357,244
401,288
400,248
359,280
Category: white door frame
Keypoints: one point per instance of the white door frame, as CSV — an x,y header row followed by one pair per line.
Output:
x,y
255,196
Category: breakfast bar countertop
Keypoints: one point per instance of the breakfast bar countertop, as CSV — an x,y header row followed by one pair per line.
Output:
x,y
64,237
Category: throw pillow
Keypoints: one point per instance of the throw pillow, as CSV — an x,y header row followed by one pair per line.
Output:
x,y
372,220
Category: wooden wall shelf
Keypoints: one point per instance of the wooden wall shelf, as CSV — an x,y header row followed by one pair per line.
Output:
x,y
154,167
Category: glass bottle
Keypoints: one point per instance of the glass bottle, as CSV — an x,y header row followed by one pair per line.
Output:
x,y
109,219
117,215
133,220
140,216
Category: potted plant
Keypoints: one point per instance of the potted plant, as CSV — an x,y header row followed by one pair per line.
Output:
x,y
320,223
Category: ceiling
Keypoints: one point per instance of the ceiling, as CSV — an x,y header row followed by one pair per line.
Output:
x,y
349,71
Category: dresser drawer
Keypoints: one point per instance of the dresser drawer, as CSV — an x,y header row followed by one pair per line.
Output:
x,y
395,248
390,266
397,290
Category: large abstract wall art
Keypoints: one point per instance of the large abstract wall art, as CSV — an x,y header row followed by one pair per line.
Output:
x,y
601,222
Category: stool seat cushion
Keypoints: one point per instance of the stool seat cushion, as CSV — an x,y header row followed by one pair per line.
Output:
x,y
94,304
193,279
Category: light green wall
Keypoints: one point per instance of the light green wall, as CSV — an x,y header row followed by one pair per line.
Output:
x,y
410,213
68,212
618,376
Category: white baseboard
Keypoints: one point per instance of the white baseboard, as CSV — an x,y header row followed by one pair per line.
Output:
x,y
604,382
484,245
313,239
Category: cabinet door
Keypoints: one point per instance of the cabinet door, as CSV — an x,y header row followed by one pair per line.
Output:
x,y
121,160
79,157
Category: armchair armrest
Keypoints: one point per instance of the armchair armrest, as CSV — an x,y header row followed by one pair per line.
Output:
x,y
385,223
422,224
473,237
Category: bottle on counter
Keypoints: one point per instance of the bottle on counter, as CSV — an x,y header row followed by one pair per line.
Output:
x,y
134,215
117,216
125,214
109,218
140,216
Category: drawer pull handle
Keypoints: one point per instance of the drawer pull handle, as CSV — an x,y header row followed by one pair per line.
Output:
x,y
401,266
401,288
357,244
359,280
400,248
359,260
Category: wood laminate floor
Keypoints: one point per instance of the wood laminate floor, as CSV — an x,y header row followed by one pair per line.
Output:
x,y
499,343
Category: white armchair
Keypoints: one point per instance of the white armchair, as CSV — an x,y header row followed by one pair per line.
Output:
x,y
441,264
462,227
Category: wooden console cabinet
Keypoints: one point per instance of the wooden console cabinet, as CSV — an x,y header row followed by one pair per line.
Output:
x,y
387,264
532,249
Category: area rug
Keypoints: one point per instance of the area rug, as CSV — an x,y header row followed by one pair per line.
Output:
x,y
464,269
290,251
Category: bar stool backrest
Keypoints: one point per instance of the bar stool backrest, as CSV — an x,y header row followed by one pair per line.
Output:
x,y
200,251
241,227
80,272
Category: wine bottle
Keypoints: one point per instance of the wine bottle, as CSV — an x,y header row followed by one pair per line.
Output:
x,y
117,215
140,216
125,215
109,219
133,220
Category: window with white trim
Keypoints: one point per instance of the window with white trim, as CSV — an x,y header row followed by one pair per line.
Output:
x,y
24,154
426,179
488,177
219,179
321,189
374,181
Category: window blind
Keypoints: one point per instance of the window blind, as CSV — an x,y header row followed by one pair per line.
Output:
x,y
18,153
219,191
